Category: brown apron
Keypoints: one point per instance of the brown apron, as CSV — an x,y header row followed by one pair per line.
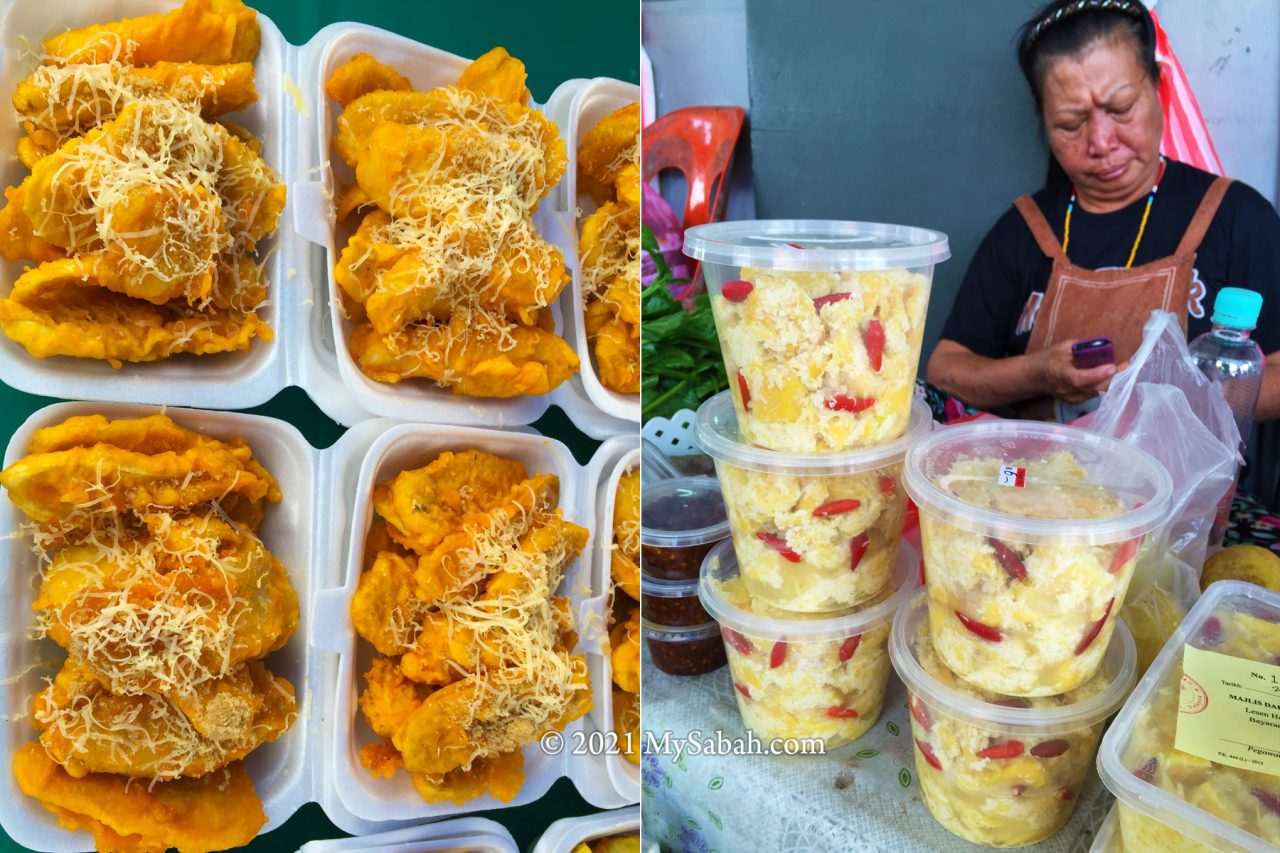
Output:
x,y
1080,303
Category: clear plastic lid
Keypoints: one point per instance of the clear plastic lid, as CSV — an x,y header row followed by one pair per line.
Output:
x,y
1031,500
682,513
663,588
817,245
721,566
678,633
1219,602
718,436
1119,668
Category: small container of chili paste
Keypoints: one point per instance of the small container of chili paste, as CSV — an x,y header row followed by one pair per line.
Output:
x,y
681,520
684,649
667,602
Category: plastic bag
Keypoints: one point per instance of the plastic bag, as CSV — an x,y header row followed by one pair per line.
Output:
x,y
1158,600
1164,405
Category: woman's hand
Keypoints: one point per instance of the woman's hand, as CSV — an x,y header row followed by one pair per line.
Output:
x,y
1067,382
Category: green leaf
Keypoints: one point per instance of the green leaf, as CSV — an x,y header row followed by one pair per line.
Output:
x,y
693,823
716,784
715,819
666,779
868,753
904,777
893,728
680,762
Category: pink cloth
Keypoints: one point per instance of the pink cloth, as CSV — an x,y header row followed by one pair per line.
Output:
x,y
1186,138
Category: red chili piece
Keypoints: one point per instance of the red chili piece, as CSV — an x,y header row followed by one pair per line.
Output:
x,y
858,549
1147,772
1269,800
838,713
745,391
778,655
887,486
1066,794
1008,749
849,646
836,508
1211,631
927,752
920,711
1050,748
845,403
795,245
742,688
739,642
874,340
979,629
823,301
1124,554
779,544
1008,560
1094,630
736,290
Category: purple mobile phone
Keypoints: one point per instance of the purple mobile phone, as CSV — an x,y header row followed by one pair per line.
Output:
x,y
1094,352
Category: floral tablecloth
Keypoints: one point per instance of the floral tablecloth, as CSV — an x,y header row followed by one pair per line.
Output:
x,y
863,797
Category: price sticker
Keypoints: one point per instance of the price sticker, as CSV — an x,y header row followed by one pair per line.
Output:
x,y
1011,475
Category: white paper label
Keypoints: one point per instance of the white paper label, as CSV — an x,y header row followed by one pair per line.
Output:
x,y
1012,476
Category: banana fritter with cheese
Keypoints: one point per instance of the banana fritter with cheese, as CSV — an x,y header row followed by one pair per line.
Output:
x,y
445,275
142,212
459,597
155,581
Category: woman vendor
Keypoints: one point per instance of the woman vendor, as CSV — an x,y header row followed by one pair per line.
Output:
x,y
1121,231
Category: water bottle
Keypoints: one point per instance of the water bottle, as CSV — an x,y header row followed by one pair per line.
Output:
x,y
1228,354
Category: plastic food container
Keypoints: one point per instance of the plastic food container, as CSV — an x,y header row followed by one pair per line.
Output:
x,y
684,649
820,324
315,120
313,761
1030,532
1177,802
465,835
998,770
671,602
294,121
567,833
805,675
1108,838
681,520
576,107
813,532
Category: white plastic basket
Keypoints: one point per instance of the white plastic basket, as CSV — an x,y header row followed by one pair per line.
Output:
x,y
567,833
674,436
472,834
326,496
293,119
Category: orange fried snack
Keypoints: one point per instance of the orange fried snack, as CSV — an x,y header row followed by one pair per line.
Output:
x,y
214,812
210,32
361,75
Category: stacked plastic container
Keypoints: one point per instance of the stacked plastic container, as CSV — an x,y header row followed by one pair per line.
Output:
x,y
820,325
1014,655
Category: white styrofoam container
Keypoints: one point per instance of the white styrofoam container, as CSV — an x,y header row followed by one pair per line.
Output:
x,y
470,834
309,531
314,219
411,446
615,458
576,107
293,118
567,833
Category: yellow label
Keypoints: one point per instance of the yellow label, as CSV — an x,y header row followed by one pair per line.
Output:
x,y
1229,710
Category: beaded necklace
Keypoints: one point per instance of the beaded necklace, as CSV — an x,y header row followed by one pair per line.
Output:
x,y
1142,227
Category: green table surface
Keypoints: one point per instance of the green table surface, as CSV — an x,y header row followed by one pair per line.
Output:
x,y
557,40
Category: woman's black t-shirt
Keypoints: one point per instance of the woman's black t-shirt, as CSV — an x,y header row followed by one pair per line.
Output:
x,y
995,309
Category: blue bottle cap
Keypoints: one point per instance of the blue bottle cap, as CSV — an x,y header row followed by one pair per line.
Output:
x,y
1237,308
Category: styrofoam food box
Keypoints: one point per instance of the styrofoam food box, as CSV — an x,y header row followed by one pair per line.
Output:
x,y
616,458
470,834
411,446
308,531
314,219
566,833
290,109
576,107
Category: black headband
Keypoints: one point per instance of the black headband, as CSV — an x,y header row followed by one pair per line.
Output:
x,y
1129,7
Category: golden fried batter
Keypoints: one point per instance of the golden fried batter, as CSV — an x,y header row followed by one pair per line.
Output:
x,y
18,239
214,812
609,146
626,722
383,608
390,698
501,775
360,75
88,729
624,641
210,32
